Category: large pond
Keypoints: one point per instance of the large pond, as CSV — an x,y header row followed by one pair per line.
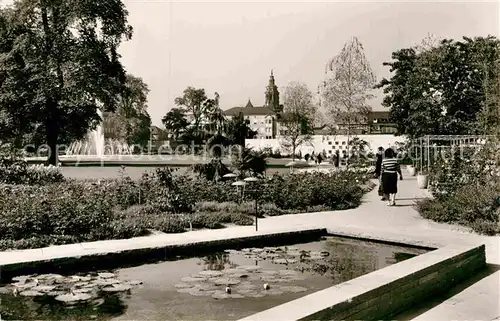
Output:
x,y
221,286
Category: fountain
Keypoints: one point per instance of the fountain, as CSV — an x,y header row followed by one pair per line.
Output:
x,y
95,144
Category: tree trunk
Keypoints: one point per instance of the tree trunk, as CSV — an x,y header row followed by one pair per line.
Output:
x,y
348,143
52,138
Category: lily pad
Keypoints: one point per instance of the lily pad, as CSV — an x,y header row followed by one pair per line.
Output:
x,y
25,285
70,298
55,293
31,293
135,282
105,282
43,288
273,291
184,285
234,271
226,281
285,261
246,286
270,272
288,272
224,295
83,290
106,275
251,268
255,295
189,279
211,273
200,290
117,288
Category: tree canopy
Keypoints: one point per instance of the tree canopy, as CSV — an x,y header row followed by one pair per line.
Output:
x,y
130,122
59,64
297,120
442,90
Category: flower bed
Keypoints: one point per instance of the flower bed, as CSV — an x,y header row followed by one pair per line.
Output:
x,y
81,211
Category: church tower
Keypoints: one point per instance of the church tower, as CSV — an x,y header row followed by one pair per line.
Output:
x,y
272,95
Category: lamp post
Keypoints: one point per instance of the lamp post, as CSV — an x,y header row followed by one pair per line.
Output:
x,y
254,180
238,184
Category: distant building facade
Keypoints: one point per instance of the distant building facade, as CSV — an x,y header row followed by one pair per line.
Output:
x,y
262,119
377,122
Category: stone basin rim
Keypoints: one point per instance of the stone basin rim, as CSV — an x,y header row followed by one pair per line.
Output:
x,y
161,252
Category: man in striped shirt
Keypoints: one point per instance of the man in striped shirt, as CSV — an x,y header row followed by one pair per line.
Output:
x,y
390,171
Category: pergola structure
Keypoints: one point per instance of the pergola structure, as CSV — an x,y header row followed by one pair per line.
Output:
x,y
425,150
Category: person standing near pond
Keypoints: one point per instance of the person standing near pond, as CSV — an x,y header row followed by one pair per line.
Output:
x,y
390,169
378,171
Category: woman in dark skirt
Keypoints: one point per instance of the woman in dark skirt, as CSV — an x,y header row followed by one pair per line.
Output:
x,y
378,171
390,171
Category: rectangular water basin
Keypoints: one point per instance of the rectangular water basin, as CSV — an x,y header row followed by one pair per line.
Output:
x,y
225,285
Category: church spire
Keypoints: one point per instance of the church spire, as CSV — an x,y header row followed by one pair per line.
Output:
x,y
249,104
272,94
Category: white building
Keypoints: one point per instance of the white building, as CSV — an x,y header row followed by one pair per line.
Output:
x,y
261,119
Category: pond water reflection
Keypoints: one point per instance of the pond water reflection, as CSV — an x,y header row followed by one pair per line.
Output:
x,y
220,286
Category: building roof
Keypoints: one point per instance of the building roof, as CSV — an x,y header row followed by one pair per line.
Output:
x,y
249,110
378,115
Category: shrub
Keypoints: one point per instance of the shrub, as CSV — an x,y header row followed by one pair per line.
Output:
x,y
209,170
214,220
339,190
250,161
475,205
20,172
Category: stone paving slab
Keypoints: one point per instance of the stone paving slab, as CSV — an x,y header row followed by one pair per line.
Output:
x,y
480,301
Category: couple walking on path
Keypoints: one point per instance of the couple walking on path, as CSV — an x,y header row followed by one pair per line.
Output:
x,y
387,169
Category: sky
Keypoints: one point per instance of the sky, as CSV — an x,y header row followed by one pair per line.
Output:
x,y
230,47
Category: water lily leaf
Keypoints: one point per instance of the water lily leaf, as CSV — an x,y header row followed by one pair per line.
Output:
x,y
226,281
31,293
25,285
135,282
252,268
83,290
184,285
69,298
106,275
272,291
189,279
21,279
43,288
234,271
117,288
224,295
211,273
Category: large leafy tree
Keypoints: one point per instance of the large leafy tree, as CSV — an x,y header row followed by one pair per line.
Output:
x,y
349,86
443,89
297,120
175,122
195,103
130,122
59,62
